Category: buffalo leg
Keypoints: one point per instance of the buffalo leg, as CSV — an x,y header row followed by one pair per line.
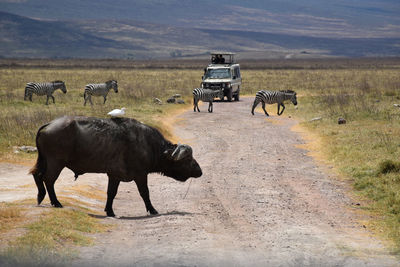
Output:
x,y
144,193
41,188
111,193
52,173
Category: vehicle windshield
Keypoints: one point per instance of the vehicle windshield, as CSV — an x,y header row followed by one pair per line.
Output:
x,y
217,73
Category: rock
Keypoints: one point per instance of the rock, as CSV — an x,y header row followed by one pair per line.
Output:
x,y
341,121
26,149
171,100
316,119
176,96
180,101
157,101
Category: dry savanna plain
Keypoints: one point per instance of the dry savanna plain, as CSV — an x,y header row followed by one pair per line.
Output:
x,y
364,153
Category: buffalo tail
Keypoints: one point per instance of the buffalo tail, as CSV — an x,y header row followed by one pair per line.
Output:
x,y
39,170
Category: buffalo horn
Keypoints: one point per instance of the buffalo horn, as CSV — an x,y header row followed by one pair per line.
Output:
x,y
181,151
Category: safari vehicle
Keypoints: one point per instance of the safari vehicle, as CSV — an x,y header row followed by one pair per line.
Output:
x,y
223,73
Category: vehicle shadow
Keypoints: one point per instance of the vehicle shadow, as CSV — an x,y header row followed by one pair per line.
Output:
x,y
180,213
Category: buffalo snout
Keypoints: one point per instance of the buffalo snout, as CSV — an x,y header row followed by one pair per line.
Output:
x,y
197,172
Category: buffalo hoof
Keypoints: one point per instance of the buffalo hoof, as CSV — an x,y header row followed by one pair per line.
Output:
x,y
110,213
153,211
57,205
40,198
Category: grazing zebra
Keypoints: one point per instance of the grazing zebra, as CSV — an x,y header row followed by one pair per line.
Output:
x,y
272,97
100,89
205,95
44,89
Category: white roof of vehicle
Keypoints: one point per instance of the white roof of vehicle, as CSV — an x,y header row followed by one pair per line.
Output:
x,y
222,53
225,65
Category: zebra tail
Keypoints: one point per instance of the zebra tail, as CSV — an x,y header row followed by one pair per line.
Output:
x,y
39,170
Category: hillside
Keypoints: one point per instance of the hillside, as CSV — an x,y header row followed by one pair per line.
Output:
x,y
127,38
24,37
340,18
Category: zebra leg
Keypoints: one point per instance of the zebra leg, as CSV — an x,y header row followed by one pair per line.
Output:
x,y
263,107
30,97
254,106
112,190
141,183
283,108
210,106
53,99
52,173
47,101
90,100
194,105
105,98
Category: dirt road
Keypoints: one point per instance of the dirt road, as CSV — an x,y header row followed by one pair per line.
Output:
x,y
260,202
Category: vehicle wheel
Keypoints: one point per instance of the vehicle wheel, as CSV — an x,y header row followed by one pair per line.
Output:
x,y
229,95
237,97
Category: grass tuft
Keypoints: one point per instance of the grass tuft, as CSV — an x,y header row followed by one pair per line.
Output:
x,y
388,166
9,215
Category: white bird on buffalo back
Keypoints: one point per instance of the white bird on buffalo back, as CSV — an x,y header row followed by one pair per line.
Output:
x,y
117,112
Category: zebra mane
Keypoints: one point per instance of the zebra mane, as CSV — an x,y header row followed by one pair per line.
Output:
x,y
57,81
110,81
288,91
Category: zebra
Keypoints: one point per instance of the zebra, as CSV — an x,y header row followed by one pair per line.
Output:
x,y
205,95
44,89
272,97
100,89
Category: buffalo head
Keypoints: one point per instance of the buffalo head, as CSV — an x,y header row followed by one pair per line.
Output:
x,y
178,163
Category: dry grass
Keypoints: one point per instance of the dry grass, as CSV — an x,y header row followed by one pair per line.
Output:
x,y
48,240
10,215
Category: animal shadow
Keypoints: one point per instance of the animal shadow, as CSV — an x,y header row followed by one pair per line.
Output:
x,y
180,213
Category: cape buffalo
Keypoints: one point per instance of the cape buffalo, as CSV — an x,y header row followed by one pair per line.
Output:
x,y
123,148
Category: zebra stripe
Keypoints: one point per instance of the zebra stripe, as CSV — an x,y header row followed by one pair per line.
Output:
x,y
205,95
100,89
41,89
272,97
